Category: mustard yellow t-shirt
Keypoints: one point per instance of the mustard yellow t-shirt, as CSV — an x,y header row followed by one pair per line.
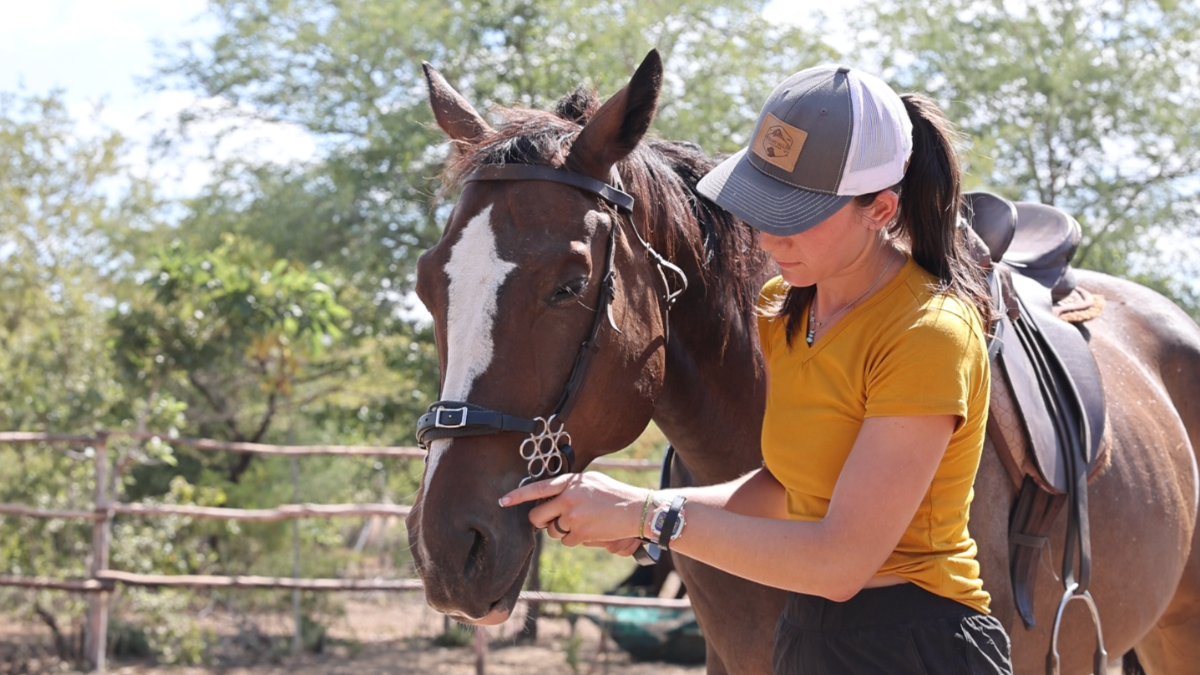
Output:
x,y
905,351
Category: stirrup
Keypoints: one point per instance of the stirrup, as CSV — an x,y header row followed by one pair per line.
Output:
x,y
1100,659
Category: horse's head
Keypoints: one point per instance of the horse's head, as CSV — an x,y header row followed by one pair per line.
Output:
x,y
515,286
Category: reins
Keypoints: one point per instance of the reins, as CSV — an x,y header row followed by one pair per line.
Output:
x,y
548,450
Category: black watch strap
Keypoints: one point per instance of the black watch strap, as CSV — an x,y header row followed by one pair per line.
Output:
x,y
669,521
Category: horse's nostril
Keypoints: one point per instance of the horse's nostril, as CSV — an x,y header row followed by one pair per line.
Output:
x,y
475,556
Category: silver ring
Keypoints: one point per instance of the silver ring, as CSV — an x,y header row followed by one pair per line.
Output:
x,y
559,528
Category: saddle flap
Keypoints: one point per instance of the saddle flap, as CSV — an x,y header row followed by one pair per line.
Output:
x,y
1022,378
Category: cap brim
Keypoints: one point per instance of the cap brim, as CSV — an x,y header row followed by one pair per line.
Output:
x,y
764,202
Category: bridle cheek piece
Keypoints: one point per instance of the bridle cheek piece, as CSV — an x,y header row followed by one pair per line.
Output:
x,y
547,450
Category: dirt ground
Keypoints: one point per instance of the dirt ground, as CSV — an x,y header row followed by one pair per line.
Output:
x,y
385,634
380,635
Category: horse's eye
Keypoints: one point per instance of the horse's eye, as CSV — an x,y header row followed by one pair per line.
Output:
x,y
570,290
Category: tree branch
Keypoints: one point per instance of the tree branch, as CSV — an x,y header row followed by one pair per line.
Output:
x,y
218,407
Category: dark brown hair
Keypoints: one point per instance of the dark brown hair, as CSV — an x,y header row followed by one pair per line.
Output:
x,y
927,217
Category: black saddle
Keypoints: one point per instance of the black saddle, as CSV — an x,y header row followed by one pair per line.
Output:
x,y
1031,246
1052,375
1034,240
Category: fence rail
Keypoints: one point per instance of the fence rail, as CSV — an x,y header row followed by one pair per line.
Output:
x,y
102,580
66,514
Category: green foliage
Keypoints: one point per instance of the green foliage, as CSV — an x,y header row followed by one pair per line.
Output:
x,y
1090,106
55,221
166,625
228,323
350,74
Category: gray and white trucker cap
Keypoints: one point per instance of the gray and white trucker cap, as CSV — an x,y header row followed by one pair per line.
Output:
x,y
824,136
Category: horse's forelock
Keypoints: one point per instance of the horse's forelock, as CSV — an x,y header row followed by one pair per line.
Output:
x,y
578,106
524,137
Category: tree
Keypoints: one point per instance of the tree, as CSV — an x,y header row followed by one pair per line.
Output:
x,y
223,321
1090,106
67,207
55,226
349,73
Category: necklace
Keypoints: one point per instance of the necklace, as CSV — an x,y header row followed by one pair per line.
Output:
x,y
812,306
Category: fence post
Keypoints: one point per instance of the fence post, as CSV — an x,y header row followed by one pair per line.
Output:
x,y
481,646
533,610
96,645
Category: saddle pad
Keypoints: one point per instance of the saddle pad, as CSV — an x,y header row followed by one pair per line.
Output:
x,y
1080,306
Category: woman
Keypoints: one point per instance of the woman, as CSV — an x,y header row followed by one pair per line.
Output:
x,y
878,385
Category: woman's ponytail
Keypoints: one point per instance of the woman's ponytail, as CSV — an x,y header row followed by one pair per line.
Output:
x,y
930,202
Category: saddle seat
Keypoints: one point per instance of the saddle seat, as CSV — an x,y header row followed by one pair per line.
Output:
x,y
1035,240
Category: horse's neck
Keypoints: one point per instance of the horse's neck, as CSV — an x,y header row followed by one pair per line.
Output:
x,y
714,391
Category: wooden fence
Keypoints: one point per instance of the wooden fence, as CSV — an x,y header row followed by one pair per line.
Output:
x,y
102,580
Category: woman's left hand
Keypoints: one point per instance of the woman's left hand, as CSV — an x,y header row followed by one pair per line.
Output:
x,y
583,507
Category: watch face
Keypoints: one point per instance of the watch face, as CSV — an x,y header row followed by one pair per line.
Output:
x,y
660,518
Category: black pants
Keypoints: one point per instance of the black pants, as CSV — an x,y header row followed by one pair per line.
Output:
x,y
895,630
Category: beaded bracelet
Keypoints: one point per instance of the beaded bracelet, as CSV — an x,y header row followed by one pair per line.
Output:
x,y
645,510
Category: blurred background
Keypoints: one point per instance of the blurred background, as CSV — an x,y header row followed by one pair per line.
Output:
x,y
210,214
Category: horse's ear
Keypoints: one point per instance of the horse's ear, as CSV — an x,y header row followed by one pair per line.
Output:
x,y
619,125
454,115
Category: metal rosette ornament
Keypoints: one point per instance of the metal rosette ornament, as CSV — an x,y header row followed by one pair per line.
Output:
x,y
546,451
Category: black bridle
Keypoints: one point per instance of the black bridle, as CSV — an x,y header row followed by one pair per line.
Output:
x,y
547,450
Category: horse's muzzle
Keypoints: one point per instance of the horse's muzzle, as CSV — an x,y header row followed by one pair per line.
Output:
x,y
466,572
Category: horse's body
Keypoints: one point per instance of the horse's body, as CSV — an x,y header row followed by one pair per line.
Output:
x,y
706,391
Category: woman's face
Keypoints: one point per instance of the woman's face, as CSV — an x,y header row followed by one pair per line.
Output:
x,y
832,247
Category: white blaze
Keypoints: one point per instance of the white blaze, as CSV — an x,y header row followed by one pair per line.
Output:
x,y
476,272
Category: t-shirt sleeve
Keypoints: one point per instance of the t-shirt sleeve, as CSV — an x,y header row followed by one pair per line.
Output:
x,y
770,297
936,367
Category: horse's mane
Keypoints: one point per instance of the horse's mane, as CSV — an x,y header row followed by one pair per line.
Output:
x,y
661,175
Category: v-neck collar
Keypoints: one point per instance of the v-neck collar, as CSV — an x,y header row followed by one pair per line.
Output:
x,y
906,270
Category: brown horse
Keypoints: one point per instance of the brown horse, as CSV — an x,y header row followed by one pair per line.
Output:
x,y
513,286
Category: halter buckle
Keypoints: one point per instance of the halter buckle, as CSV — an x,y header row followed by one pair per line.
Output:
x,y
437,418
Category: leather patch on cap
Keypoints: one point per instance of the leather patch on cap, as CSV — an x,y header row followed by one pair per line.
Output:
x,y
779,143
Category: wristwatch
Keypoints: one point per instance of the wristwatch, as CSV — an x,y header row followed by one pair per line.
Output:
x,y
668,518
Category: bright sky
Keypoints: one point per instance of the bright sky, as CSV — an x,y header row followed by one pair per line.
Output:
x,y
99,52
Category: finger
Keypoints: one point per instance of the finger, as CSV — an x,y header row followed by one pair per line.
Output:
x,y
630,548
542,514
557,526
543,489
623,547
